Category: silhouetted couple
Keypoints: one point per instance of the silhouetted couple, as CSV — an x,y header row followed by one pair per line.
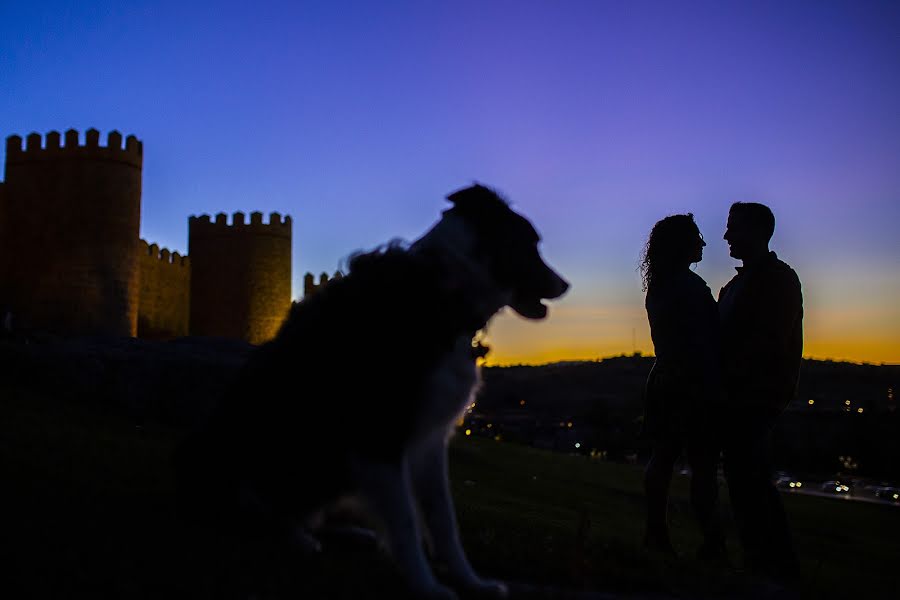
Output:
x,y
723,374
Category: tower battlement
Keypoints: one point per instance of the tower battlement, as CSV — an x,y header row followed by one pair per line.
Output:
x,y
66,273
247,263
53,146
277,225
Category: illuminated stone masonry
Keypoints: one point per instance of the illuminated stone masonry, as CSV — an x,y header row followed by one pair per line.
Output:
x,y
72,263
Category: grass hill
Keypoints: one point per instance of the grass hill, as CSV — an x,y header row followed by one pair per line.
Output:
x,y
90,514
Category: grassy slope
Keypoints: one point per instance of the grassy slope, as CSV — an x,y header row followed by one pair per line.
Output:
x,y
90,515
522,514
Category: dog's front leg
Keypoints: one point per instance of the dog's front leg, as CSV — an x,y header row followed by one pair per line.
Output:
x,y
386,486
432,485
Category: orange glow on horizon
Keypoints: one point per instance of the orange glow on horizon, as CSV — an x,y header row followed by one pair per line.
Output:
x,y
854,351
577,332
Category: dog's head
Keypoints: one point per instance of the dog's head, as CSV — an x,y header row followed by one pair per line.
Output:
x,y
490,242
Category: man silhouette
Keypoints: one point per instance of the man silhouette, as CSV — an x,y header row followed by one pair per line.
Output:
x,y
761,311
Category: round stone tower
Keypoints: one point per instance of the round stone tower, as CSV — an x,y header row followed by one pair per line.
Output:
x,y
240,275
71,216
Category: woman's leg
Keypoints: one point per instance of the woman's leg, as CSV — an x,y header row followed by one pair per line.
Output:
x,y
657,480
703,457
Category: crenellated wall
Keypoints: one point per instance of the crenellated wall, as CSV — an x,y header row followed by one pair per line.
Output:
x,y
240,275
4,283
71,261
165,296
69,231
310,286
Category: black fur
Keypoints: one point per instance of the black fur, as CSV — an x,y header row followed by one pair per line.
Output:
x,y
347,374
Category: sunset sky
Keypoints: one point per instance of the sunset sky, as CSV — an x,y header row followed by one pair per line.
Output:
x,y
595,119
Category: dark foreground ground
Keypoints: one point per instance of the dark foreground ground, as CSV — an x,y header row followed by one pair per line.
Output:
x,y
89,513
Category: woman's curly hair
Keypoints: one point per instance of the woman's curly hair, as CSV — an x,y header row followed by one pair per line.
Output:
x,y
671,242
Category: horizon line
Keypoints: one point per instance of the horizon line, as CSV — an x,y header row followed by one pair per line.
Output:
x,y
639,354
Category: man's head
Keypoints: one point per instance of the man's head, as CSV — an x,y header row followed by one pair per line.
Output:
x,y
750,227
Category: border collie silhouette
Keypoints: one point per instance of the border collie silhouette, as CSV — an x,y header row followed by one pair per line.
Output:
x,y
392,345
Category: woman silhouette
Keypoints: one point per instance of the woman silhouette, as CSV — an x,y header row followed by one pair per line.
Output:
x,y
683,390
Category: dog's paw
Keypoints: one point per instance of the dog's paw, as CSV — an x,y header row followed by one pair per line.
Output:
x,y
304,543
433,592
487,589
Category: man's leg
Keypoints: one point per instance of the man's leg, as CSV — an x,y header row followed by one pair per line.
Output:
x,y
778,541
757,505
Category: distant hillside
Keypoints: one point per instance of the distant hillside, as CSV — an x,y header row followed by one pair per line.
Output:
x,y
842,410
596,405
617,383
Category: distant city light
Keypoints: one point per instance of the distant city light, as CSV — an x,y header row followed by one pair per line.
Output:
x,y
896,496
811,402
847,402
468,432
489,425
569,424
859,410
578,444
521,403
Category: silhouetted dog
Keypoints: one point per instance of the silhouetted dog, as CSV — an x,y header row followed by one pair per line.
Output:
x,y
358,392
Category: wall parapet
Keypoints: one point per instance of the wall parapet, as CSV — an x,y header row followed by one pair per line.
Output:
x,y
54,146
163,255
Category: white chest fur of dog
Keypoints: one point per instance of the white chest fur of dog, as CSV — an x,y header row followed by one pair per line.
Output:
x,y
420,487
450,389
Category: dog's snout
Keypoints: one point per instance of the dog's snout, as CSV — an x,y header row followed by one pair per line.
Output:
x,y
560,286
563,286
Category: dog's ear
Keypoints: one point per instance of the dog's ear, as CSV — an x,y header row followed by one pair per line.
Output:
x,y
476,196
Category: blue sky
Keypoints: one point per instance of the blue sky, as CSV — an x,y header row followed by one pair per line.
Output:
x,y
594,118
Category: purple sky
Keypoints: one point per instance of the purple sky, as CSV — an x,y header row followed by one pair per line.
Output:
x,y
594,118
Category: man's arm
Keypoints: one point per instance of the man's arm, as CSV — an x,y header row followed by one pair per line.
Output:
x,y
774,342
